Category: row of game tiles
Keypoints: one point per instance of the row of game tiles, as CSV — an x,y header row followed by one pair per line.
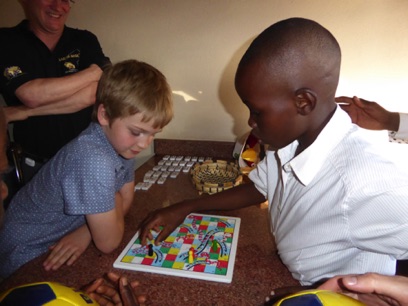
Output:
x,y
168,166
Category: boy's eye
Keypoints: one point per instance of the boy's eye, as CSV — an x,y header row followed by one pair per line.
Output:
x,y
136,133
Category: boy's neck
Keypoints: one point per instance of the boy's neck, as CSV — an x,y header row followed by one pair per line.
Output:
x,y
312,134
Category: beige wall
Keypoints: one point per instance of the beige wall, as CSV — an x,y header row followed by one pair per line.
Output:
x,y
197,45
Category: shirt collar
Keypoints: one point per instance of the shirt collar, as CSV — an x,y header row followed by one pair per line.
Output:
x,y
23,26
306,165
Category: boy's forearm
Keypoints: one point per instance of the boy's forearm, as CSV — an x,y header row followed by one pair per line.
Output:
x,y
238,197
127,195
120,212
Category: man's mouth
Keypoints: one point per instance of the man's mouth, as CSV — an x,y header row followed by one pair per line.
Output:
x,y
55,15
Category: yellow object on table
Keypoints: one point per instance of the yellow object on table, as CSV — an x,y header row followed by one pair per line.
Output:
x,y
46,294
316,297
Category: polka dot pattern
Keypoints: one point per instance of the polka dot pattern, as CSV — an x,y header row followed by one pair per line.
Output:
x,y
81,179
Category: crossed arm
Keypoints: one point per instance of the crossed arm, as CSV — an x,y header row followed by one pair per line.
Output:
x,y
51,96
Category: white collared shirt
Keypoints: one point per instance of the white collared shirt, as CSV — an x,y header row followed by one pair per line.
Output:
x,y
344,204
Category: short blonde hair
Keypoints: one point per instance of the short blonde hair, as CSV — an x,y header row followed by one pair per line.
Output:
x,y
130,87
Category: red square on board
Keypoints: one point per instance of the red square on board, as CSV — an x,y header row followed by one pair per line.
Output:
x,y
188,241
171,257
222,264
203,228
183,230
147,261
199,268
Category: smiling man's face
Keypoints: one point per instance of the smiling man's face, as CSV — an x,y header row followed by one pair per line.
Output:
x,y
46,16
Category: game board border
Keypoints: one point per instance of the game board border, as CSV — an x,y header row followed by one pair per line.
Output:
x,y
184,273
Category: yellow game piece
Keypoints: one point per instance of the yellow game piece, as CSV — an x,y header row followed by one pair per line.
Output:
x,y
191,256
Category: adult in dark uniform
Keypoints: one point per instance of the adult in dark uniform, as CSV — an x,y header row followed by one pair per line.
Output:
x,y
49,75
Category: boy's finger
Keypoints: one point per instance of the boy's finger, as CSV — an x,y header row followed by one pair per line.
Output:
x,y
145,235
165,232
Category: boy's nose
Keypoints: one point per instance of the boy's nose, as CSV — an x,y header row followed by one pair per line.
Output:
x,y
145,141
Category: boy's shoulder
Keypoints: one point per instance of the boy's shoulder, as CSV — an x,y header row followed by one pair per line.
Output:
x,y
363,155
91,144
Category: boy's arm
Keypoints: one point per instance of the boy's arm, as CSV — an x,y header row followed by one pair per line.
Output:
x,y
107,228
127,192
170,217
71,247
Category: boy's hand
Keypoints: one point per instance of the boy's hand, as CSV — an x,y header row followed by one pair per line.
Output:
x,y
168,218
68,249
119,293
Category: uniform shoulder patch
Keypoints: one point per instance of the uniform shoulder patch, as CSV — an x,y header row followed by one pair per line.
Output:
x,y
12,72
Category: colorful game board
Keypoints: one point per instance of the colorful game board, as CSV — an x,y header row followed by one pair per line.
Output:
x,y
203,247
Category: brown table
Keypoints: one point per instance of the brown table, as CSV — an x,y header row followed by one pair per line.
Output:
x,y
258,268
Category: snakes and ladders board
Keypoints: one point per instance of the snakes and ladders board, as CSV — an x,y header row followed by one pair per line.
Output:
x,y
202,247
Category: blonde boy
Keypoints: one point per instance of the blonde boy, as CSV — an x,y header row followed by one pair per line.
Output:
x,y
82,193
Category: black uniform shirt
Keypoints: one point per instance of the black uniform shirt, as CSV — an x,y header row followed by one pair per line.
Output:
x,y
24,57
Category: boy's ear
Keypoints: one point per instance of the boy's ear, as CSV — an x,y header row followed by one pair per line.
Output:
x,y
305,101
102,117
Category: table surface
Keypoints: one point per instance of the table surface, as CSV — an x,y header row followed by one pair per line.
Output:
x,y
257,271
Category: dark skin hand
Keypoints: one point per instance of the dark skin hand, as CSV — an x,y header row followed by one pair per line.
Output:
x,y
369,115
117,291
172,216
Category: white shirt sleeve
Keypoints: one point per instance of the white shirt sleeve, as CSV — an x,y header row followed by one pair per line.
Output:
x,y
402,132
265,175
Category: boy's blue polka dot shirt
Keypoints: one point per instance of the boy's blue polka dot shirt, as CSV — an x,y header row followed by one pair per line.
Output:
x,y
82,178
